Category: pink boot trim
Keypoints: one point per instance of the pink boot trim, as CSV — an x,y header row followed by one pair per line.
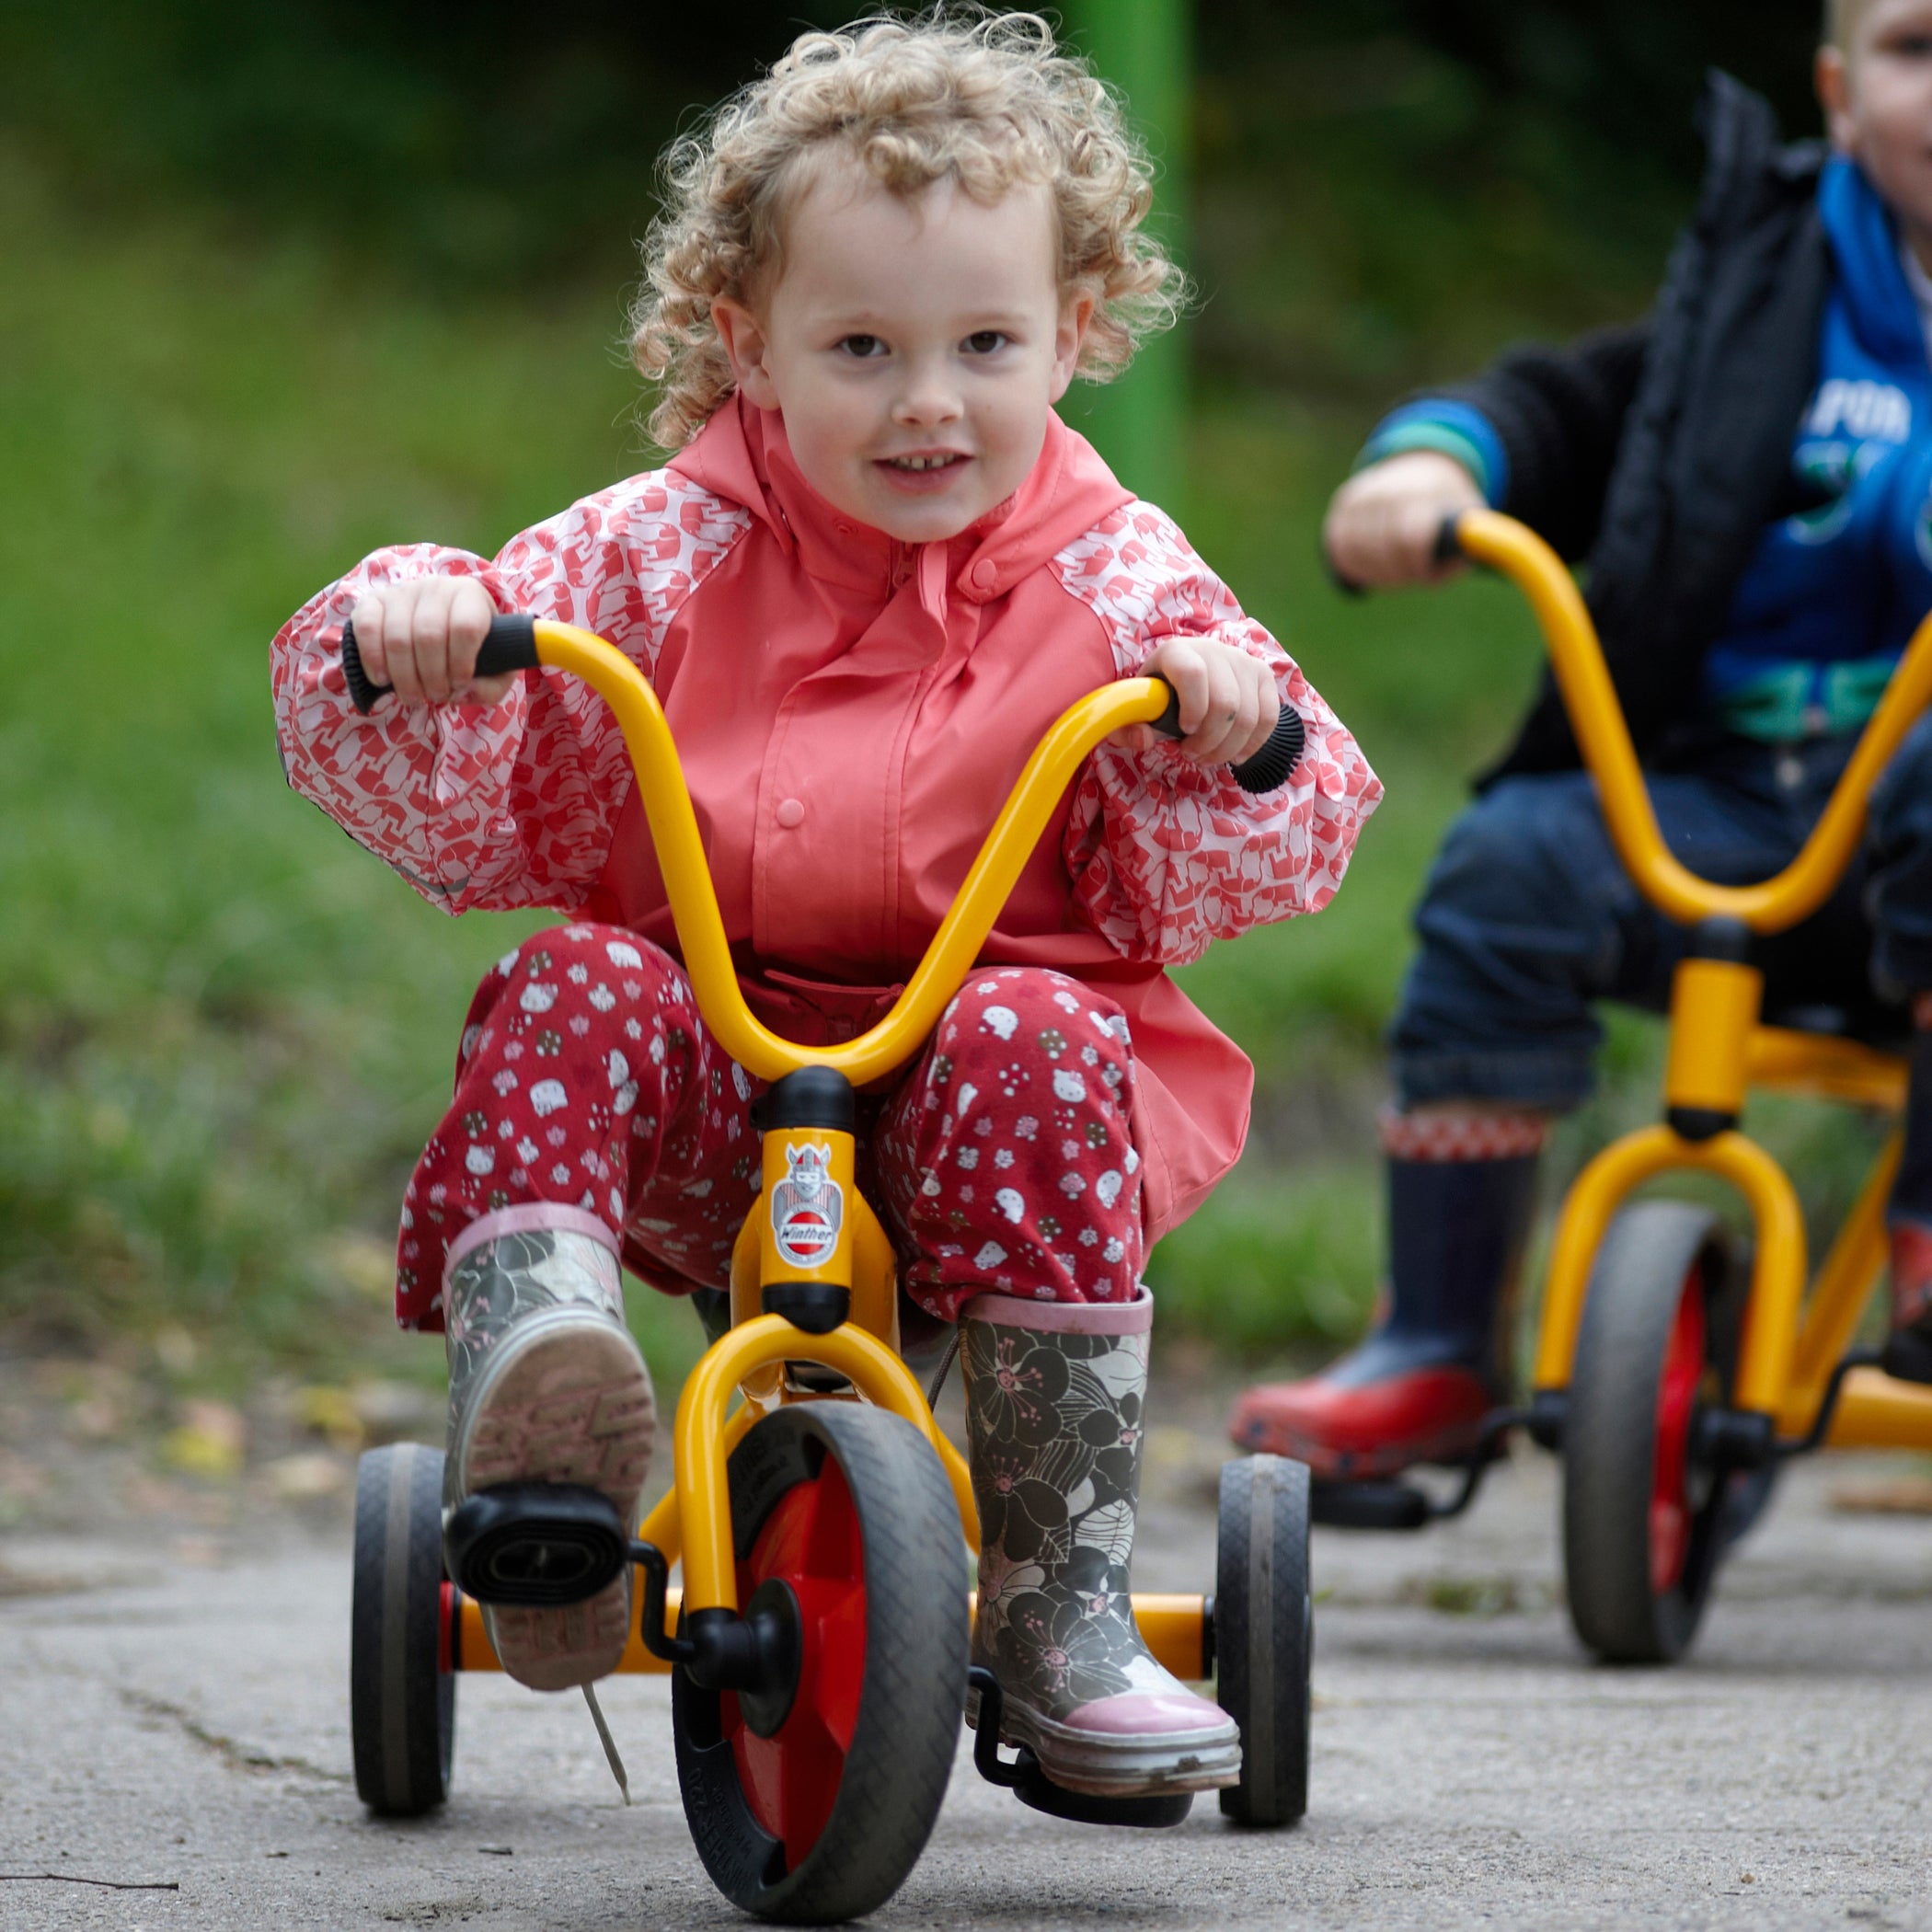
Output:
x,y
1014,1311
523,1220
1147,1714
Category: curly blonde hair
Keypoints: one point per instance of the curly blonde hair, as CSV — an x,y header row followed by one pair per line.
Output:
x,y
984,99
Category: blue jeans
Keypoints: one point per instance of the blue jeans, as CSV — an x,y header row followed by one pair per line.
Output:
x,y
1528,918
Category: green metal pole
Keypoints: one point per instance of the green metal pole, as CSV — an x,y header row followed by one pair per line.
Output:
x,y
1139,422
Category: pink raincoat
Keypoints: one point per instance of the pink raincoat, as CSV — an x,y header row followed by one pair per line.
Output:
x,y
851,712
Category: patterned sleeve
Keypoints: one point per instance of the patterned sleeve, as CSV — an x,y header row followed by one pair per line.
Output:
x,y
1166,854
513,804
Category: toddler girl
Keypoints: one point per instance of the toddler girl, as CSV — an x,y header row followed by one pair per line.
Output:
x,y
875,571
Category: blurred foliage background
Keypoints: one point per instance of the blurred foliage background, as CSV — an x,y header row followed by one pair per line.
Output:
x,y
284,282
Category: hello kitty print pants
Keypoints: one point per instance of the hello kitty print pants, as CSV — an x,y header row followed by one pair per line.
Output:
x,y
589,1094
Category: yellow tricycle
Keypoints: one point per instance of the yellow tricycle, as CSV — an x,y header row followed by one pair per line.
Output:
x,y
818,1646
1673,1379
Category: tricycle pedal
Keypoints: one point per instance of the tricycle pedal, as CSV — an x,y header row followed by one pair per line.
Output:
x,y
1030,1784
536,1544
1369,1505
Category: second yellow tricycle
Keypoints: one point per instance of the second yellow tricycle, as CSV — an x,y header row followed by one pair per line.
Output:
x,y
1671,1374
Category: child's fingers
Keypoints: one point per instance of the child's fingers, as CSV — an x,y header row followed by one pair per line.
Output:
x,y
1381,528
371,644
1268,712
1186,669
1233,708
429,634
399,633
470,610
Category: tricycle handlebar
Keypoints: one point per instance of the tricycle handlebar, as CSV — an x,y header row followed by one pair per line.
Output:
x,y
510,645
1576,657
524,642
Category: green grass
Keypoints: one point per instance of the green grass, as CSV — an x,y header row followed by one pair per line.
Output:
x,y
225,1031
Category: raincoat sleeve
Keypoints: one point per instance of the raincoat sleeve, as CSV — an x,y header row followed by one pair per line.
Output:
x,y
513,804
1166,855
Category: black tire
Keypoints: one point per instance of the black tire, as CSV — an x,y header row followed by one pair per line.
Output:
x,y
402,1704
1264,1634
1639,1555
885,1786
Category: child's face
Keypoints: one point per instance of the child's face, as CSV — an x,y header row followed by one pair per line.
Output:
x,y
1877,101
913,346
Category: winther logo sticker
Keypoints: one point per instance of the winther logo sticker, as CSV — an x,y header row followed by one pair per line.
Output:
x,y
808,1207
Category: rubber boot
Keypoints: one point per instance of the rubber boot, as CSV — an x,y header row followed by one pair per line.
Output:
x,y
547,1385
1053,1397
1418,1388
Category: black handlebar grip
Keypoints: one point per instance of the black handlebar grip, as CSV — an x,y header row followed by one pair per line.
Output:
x,y
1274,763
510,645
1449,539
1269,768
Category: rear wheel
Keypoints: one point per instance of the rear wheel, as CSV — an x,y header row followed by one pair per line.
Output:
x,y
402,1693
1646,1515
1264,1634
812,1803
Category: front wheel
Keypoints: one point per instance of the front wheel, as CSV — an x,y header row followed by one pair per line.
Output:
x,y
1264,1634
1646,1516
811,1804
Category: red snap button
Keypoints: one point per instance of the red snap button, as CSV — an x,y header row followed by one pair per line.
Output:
x,y
791,813
984,574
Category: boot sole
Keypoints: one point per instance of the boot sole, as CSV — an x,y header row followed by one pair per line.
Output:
x,y
564,1399
1146,1765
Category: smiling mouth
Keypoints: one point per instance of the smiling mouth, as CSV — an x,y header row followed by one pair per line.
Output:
x,y
917,466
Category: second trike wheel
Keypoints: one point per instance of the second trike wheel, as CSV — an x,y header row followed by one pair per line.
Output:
x,y
1264,1634
1646,1512
812,1803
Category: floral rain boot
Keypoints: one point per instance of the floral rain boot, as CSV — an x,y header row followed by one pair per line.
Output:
x,y
1053,1399
547,1385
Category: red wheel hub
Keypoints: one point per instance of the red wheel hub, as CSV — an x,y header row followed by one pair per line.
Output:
x,y
1670,1471
810,1541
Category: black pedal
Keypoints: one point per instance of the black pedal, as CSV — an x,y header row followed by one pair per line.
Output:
x,y
1369,1505
1032,1787
538,1544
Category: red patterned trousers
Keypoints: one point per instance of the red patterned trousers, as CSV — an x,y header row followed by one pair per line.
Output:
x,y
589,1095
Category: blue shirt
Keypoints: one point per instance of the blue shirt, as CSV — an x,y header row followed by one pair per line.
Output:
x,y
1831,596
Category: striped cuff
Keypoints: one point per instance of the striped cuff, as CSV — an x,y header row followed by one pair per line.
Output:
x,y
1475,1135
1453,429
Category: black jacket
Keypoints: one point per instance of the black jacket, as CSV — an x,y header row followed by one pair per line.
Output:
x,y
1656,454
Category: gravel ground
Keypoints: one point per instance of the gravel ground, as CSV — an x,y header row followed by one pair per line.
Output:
x,y
173,1712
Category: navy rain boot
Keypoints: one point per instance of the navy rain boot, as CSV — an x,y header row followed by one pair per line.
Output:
x,y
1418,1388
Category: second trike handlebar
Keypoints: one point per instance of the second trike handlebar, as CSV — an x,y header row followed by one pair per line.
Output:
x,y
1583,679
523,643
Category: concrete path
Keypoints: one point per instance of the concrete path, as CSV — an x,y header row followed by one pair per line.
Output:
x,y
175,1712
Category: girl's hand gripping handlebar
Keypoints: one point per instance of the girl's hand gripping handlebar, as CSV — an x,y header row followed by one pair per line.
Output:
x,y
1271,766
512,646
523,643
